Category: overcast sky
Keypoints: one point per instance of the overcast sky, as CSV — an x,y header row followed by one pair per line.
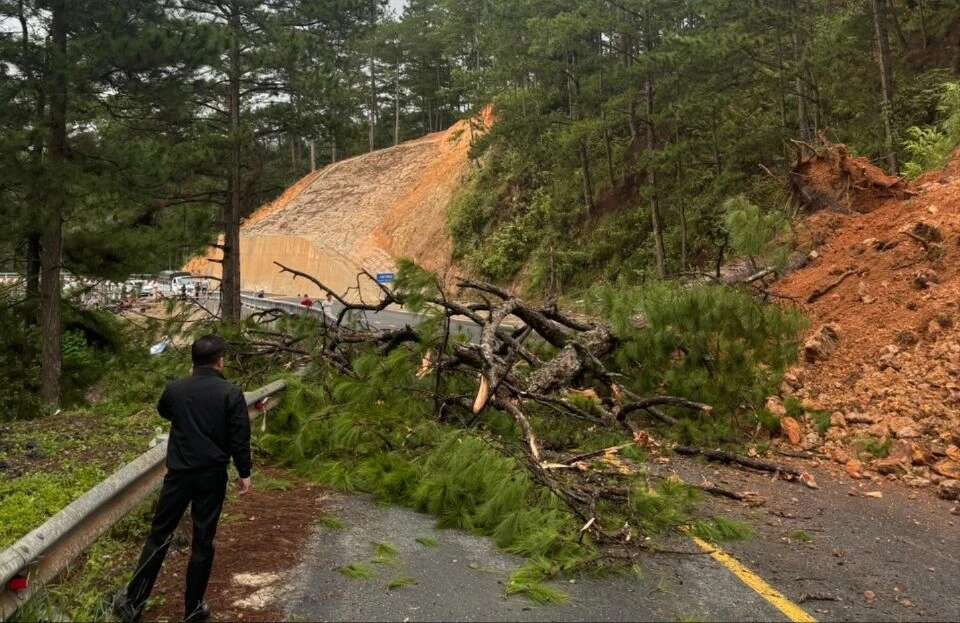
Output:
x,y
397,5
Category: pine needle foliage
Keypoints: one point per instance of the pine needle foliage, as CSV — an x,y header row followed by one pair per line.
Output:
x,y
708,343
721,529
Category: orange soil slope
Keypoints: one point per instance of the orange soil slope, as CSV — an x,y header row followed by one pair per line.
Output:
x,y
895,373
364,212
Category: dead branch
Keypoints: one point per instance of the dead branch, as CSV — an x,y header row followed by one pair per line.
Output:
x,y
820,292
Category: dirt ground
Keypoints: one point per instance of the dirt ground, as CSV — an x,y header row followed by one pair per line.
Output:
x,y
261,537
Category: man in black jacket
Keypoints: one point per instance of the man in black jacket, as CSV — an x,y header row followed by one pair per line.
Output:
x,y
209,425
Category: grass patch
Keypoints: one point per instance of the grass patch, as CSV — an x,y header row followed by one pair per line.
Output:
x,y
428,542
385,553
401,582
720,529
265,482
821,421
874,447
28,501
356,571
801,536
330,523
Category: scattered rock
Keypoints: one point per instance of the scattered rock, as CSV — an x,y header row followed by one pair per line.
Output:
x,y
948,469
906,339
861,418
873,494
890,466
821,344
869,595
924,278
791,430
949,489
927,232
854,468
775,406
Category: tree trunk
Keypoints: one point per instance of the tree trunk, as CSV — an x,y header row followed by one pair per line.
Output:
x,y
51,241
33,266
655,220
886,80
803,125
333,151
587,179
231,284
396,106
313,156
371,137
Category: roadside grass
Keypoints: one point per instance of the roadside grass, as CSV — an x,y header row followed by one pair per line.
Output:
x,y
28,501
428,542
85,591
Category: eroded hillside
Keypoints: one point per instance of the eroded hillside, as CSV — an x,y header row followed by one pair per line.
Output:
x,y
364,212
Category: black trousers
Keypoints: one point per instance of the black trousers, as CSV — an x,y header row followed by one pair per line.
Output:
x,y
203,491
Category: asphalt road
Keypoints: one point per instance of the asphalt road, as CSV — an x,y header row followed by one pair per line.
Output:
x,y
463,577
390,318
836,553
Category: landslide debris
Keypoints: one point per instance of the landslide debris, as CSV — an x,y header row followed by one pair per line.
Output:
x,y
882,360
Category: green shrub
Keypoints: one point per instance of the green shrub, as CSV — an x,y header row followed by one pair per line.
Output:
x,y
754,234
930,148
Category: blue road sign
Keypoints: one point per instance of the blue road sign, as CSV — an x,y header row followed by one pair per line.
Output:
x,y
385,278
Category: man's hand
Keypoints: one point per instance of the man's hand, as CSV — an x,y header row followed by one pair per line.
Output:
x,y
244,485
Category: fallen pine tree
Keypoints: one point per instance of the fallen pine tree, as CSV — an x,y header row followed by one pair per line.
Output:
x,y
548,402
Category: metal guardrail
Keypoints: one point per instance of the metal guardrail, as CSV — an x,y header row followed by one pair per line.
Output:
x,y
48,550
294,309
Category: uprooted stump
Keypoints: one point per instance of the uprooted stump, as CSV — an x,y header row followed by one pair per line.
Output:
x,y
826,177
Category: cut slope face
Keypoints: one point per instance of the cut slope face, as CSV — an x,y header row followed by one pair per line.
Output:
x,y
887,282
364,212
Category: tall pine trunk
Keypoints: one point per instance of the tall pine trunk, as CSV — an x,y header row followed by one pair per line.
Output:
x,y
396,106
51,237
231,284
656,221
886,81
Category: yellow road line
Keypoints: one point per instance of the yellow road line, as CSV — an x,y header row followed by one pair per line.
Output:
x,y
773,596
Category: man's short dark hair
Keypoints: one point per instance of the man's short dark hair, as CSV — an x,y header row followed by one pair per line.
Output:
x,y
207,350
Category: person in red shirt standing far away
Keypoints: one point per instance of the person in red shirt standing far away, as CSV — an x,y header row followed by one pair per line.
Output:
x,y
307,301
209,426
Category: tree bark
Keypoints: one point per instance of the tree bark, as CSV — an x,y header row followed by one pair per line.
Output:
x,y
655,219
231,284
886,81
396,106
52,230
371,135
33,266
313,156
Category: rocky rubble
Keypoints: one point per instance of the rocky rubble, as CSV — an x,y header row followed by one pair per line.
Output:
x,y
883,355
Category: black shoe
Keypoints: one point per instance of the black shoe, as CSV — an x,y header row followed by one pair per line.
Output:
x,y
125,611
201,614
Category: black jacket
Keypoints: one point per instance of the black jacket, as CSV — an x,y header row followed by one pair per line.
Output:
x,y
209,423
